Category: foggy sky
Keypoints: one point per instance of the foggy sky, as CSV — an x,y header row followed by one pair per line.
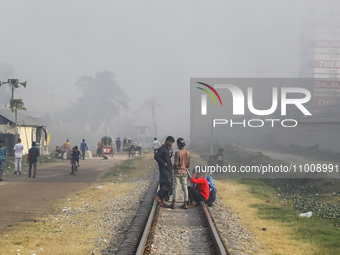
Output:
x,y
152,47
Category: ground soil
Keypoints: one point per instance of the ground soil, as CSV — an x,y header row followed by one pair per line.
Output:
x,y
30,199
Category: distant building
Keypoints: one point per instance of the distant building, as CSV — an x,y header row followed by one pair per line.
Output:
x,y
320,60
320,53
29,129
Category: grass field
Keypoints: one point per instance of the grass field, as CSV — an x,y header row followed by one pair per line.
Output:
x,y
286,233
261,207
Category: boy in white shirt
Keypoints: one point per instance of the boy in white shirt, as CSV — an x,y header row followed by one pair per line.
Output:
x,y
156,145
18,148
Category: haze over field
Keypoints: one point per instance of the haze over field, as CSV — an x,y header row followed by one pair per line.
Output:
x,y
141,49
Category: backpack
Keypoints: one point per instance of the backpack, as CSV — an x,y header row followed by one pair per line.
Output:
x,y
212,191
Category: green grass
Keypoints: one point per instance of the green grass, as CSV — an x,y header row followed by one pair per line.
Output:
x,y
311,230
260,190
123,168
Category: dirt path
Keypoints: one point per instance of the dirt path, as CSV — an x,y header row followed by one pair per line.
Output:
x,y
28,199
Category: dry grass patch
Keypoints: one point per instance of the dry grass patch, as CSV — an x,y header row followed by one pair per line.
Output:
x,y
71,230
74,227
130,169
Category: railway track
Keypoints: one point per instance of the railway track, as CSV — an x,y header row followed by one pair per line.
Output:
x,y
158,231
178,231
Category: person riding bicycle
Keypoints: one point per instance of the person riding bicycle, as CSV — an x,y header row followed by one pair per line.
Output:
x,y
75,155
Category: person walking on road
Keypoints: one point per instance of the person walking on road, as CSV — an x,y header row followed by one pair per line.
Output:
x,y
84,148
100,149
118,144
182,162
156,145
165,170
67,147
32,159
3,157
18,148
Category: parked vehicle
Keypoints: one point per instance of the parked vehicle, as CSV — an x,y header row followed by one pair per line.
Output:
x,y
59,152
108,145
127,142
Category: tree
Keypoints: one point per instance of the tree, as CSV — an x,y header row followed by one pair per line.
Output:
x,y
101,100
15,105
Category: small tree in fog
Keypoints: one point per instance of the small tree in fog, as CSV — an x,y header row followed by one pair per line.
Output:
x,y
101,100
15,105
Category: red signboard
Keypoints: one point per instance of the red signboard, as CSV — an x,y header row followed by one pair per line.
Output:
x,y
107,150
329,64
324,101
327,44
327,84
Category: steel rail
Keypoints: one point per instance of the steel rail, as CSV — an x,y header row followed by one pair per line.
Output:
x,y
213,231
142,244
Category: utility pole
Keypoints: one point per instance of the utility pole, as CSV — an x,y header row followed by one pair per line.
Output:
x,y
151,103
153,117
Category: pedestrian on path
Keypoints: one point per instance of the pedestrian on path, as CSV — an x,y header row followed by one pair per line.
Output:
x,y
3,157
100,149
84,148
18,148
182,162
156,144
32,158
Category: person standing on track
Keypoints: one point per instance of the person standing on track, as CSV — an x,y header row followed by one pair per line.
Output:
x,y
84,148
18,148
165,170
3,157
182,162
201,190
32,159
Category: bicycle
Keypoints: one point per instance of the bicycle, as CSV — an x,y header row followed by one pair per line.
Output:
x,y
59,153
74,168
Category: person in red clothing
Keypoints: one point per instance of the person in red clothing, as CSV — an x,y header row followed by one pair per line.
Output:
x,y
201,190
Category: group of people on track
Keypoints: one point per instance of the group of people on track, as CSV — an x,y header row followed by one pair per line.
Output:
x,y
193,195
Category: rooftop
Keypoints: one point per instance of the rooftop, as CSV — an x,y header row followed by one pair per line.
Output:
x,y
23,120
